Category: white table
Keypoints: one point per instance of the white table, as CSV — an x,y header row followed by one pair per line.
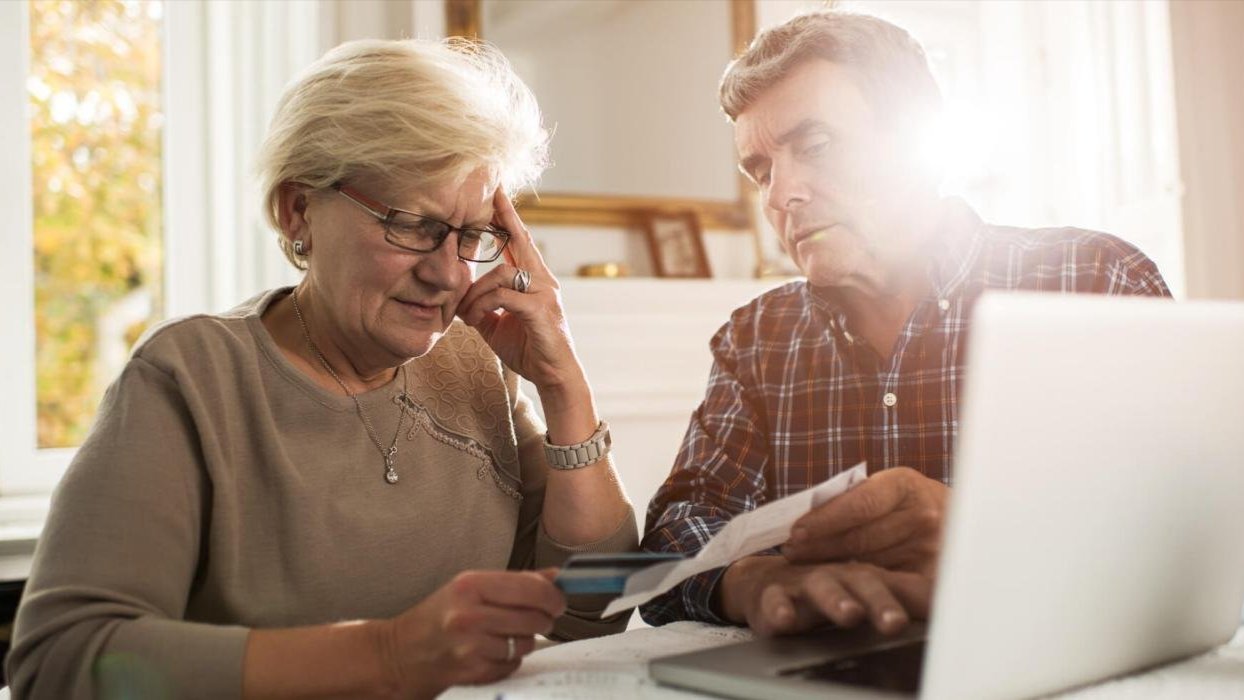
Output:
x,y
616,667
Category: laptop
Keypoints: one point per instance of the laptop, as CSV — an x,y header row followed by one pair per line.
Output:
x,y
1094,525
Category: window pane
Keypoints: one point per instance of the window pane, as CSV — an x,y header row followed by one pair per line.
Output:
x,y
94,99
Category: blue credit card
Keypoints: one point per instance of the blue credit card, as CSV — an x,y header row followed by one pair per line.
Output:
x,y
605,573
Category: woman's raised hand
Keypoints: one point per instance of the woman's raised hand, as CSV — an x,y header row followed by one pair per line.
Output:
x,y
527,330
475,629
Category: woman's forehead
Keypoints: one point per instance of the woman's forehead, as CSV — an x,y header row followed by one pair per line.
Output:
x,y
467,196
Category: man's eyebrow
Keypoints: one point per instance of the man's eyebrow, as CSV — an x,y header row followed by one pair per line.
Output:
x,y
800,129
749,164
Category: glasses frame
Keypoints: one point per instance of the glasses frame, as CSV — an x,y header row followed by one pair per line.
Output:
x,y
375,208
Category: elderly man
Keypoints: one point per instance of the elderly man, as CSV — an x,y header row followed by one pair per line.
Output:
x,y
865,359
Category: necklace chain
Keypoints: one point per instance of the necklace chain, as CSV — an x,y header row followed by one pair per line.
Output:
x,y
390,475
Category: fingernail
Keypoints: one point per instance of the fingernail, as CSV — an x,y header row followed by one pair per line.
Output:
x,y
891,618
849,606
798,535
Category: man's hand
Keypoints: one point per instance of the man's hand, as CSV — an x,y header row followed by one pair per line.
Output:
x,y
893,520
773,596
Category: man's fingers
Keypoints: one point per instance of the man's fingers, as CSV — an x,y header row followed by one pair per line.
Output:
x,y
914,591
884,610
777,611
878,495
918,554
832,599
890,530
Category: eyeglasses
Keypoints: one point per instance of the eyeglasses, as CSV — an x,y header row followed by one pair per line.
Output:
x,y
423,234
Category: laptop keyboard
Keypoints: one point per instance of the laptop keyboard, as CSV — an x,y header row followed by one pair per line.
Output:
x,y
895,669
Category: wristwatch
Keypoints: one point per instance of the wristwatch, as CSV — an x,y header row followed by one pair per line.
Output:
x,y
583,454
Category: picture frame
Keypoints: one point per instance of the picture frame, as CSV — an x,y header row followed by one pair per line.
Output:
x,y
676,243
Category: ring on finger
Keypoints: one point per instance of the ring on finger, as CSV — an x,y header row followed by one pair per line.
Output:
x,y
522,281
510,648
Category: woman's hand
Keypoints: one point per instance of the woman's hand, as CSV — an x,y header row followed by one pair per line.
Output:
x,y
528,331
460,634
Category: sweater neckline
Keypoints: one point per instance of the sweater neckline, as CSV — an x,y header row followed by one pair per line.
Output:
x,y
338,400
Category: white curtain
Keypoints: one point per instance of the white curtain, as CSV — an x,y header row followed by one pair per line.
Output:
x,y
1209,59
1059,113
1101,120
227,65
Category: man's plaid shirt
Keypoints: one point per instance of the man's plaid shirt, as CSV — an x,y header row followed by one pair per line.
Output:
x,y
793,398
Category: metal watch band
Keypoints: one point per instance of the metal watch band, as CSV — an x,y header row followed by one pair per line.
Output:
x,y
583,454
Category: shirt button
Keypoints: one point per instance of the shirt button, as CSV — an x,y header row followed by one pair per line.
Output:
x,y
943,304
889,399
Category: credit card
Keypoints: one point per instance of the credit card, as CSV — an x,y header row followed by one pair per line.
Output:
x,y
605,573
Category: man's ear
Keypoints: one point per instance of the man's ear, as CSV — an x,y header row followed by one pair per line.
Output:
x,y
292,211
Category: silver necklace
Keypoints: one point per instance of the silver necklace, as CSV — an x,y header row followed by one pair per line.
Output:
x,y
390,475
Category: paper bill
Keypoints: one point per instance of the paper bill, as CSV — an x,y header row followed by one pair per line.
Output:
x,y
747,533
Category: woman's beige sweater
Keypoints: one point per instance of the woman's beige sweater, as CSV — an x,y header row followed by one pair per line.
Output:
x,y
221,489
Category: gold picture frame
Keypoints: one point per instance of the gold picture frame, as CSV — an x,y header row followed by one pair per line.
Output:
x,y
463,18
676,244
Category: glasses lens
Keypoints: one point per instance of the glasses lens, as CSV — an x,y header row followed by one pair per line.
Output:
x,y
479,245
417,233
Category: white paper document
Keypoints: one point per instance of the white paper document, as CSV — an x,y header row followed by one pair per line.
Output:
x,y
747,533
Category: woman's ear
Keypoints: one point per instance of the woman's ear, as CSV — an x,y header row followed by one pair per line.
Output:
x,y
292,212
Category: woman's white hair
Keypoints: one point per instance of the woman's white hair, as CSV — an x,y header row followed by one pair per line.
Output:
x,y
418,112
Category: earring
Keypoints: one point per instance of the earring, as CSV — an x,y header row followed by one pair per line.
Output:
x,y
299,249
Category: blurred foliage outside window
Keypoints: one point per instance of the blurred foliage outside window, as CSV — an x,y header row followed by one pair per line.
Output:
x,y
96,122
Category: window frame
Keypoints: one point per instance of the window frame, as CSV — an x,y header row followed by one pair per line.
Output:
x,y
25,469
20,461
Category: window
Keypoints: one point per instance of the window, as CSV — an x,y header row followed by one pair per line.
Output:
x,y
1058,114
93,90
126,194
82,197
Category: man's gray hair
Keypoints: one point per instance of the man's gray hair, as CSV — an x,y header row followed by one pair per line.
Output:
x,y
889,65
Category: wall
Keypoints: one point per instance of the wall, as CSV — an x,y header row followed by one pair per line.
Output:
x,y
1209,58
628,89
731,254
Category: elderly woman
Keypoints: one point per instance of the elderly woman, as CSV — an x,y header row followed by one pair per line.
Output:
x,y
320,492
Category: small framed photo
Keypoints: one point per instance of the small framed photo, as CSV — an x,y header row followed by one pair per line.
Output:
x,y
676,244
